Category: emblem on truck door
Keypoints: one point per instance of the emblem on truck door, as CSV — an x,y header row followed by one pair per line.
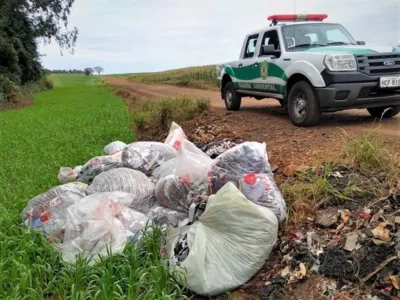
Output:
x,y
264,69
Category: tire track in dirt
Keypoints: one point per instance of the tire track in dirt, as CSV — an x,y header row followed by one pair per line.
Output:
x,y
265,121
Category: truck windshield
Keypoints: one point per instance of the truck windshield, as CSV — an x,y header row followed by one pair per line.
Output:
x,y
300,36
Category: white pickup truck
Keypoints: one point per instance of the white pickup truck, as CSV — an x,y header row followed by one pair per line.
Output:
x,y
311,67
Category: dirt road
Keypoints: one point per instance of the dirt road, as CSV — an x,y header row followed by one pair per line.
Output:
x,y
266,121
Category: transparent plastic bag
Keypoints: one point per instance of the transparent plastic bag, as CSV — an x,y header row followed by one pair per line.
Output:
x,y
35,207
128,181
114,147
262,190
98,165
162,216
248,157
226,247
97,223
177,193
147,156
66,174
165,169
192,164
179,190
175,136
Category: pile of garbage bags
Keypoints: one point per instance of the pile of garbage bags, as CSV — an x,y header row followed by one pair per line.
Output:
x,y
221,207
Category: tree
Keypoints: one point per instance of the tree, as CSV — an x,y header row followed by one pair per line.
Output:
x,y
22,24
88,71
98,69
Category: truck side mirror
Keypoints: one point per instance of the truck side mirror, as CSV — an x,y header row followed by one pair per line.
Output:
x,y
362,43
270,50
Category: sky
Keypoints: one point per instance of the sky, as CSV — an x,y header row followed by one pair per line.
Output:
x,y
127,36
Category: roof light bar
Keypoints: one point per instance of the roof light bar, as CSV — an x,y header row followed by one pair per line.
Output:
x,y
298,17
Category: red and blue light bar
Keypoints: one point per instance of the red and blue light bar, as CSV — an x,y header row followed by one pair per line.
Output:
x,y
298,17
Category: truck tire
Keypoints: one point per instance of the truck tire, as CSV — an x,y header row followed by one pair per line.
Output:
x,y
232,98
377,112
303,105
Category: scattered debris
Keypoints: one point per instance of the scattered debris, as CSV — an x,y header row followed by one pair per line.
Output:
x,y
210,133
215,149
351,241
290,170
327,217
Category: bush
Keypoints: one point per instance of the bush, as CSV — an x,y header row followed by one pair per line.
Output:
x,y
367,154
161,112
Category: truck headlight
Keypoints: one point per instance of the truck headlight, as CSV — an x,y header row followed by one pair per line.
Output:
x,y
340,62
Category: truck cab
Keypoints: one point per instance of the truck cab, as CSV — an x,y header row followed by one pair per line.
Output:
x,y
311,67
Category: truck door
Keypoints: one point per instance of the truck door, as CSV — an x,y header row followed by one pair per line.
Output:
x,y
246,72
271,81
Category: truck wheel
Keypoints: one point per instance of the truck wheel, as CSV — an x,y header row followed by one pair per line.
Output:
x,y
232,98
303,105
377,112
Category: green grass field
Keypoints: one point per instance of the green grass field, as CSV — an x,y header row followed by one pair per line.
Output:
x,y
203,77
65,127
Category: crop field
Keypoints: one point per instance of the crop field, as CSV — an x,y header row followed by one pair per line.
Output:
x,y
65,127
203,77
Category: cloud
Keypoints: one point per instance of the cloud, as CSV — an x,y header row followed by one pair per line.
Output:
x,y
151,35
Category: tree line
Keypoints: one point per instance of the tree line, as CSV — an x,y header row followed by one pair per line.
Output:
x,y
23,24
86,71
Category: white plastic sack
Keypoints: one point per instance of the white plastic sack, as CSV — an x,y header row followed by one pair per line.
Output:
x,y
147,156
98,165
162,216
262,190
226,247
175,136
114,147
128,181
99,221
248,157
66,174
41,203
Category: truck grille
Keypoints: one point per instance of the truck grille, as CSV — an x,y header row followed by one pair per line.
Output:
x,y
375,64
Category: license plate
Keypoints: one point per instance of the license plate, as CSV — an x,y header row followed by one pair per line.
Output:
x,y
390,82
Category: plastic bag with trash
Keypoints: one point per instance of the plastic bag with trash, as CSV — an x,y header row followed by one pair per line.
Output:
x,y
248,157
175,136
35,207
147,156
226,247
165,169
192,164
177,193
114,147
66,174
262,190
162,216
128,181
179,190
98,223
98,165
